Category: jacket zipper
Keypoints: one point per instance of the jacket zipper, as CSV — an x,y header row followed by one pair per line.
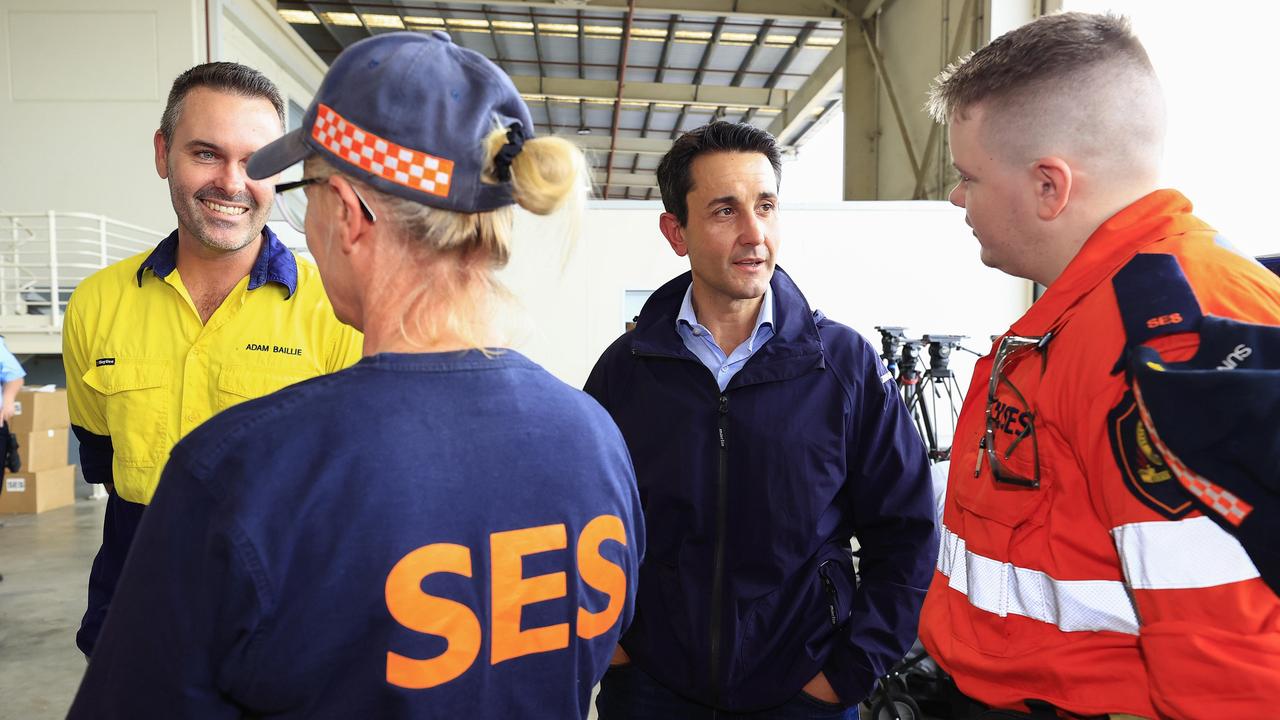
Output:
x,y
722,492
833,599
717,568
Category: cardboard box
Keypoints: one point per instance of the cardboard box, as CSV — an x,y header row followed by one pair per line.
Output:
x,y
36,492
43,449
40,411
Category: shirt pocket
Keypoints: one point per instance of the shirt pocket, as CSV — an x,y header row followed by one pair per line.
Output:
x,y
1008,505
237,383
996,553
135,400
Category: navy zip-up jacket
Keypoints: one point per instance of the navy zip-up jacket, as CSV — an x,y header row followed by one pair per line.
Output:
x,y
751,497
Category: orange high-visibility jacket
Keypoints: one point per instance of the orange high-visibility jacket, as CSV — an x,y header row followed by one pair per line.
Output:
x,y
1102,590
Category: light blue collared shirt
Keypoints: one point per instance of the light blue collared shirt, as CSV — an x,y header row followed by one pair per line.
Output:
x,y
700,342
10,368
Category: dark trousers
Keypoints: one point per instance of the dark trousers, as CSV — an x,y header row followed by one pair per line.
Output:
x,y
629,693
4,435
119,527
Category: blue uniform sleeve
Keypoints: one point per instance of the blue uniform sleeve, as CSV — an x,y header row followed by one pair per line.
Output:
x,y
179,641
10,368
891,497
96,454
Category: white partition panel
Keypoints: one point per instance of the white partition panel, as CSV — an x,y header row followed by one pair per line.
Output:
x,y
864,264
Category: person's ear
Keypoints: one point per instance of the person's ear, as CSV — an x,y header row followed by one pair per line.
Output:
x,y
355,227
673,232
162,155
1053,180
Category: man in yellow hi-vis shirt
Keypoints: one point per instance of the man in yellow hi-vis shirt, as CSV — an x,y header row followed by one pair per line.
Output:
x,y
219,312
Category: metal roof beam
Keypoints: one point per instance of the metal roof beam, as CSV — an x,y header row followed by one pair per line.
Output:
x,y
785,62
675,94
643,146
804,10
872,8
624,179
825,81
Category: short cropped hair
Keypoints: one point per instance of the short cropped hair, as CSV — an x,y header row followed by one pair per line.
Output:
x,y
1048,50
675,176
226,77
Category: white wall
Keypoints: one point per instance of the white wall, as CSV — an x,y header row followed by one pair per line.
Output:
x,y
1219,149
83,84
863,264
252,33
82,88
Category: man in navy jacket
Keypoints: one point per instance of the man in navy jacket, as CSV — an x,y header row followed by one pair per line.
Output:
x,y
765,436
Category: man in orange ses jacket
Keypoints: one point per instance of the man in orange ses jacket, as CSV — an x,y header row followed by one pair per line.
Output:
x,y
1076,577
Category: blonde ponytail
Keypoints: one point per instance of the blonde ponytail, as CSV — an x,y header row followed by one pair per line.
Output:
x,y
548,173
457,254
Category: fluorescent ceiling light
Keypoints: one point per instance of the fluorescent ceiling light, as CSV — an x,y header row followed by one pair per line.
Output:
x,y
343,19
299,17
383,21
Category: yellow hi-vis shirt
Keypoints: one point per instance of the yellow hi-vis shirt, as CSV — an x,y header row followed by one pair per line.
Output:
x,y
143,370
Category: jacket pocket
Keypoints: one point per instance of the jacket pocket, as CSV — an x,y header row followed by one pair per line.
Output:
x,y
135,399
237,383
786,631
835,584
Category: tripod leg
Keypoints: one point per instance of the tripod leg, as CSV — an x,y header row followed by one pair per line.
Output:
x,y
930,434
913,409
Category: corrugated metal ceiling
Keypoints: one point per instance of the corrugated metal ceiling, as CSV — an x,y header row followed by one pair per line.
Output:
x,y
688,63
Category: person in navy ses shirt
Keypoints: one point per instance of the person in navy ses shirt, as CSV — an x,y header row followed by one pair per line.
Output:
x,y
765,436
443,530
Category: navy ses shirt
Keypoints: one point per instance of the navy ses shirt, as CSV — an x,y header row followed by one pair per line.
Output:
x,y
418,536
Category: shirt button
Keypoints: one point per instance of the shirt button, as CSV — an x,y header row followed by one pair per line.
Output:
x,y
191,417
195,351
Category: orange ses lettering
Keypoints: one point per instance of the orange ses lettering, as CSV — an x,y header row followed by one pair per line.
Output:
x,y
512,591
416,610
601,574
1171,319
459,625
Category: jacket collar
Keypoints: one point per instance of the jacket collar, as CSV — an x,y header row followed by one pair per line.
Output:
x,y
1157,215
795,344
275,263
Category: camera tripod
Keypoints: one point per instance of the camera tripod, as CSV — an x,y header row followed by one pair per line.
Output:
x,y
932,394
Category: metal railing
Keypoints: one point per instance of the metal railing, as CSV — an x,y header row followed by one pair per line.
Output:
x,y
43,256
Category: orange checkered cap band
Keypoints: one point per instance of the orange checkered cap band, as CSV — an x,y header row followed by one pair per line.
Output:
x,y
389,161
1223,501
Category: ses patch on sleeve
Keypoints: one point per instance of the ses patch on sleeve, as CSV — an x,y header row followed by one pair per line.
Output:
x,y
1141,464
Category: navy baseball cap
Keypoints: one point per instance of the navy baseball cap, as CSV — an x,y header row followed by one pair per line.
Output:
x,y
407,113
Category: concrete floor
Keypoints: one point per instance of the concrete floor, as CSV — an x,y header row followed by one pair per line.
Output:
x,y
45,561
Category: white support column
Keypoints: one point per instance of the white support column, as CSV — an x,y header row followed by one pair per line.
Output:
x,y
861,119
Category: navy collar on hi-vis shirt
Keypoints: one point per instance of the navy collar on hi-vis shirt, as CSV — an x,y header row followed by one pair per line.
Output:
x,y
1215,418
275,262
1271,262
